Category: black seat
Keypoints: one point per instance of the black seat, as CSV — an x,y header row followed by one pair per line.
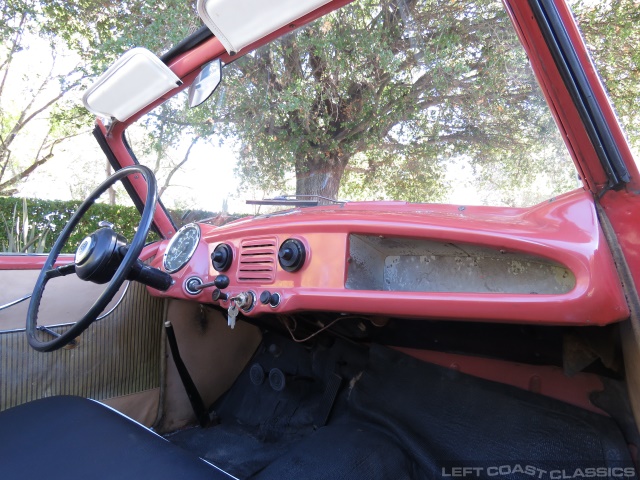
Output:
x,y
74,438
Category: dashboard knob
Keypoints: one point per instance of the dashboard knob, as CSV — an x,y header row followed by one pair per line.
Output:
x,y
291,255
221,281
221,257
268,298
218,295
265,297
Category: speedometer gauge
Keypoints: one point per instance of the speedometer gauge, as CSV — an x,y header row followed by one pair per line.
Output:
x,y
181,248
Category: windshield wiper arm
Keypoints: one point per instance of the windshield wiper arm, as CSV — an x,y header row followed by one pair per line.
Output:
x,y
294,200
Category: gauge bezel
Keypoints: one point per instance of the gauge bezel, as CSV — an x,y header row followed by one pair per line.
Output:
x,y
173,240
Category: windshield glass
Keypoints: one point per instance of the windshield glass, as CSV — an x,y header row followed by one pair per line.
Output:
x,y
422,101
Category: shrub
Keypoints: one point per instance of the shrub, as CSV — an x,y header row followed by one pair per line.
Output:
x,y
43,220
31,225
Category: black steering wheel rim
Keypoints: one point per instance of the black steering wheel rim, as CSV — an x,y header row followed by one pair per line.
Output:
x,y
133,252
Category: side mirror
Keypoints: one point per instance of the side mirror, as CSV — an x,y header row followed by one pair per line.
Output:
x,y
205,83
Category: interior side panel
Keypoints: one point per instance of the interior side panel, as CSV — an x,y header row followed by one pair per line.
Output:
x,y
118,355
65,299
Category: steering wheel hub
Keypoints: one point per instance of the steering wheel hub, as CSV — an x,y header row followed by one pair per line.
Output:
x,y
84,250
100,260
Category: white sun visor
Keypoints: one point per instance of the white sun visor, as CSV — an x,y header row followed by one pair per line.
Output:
x,y
134,81
238,23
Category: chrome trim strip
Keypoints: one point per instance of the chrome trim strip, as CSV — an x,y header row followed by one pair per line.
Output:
x,y
15,302
126,288
15,330
217,468
109,407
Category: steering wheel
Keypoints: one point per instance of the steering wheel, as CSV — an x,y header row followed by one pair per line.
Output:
x,y
102,257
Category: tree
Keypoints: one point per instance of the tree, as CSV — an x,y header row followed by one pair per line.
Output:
x,y
47,111
100,32
378,96
39,114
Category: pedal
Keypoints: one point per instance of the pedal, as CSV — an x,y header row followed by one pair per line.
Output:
x,y
328,400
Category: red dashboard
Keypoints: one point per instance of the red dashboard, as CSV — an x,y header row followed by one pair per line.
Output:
x,y
548,264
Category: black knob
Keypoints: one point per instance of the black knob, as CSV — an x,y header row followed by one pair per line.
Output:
x,y
218,295
268,298
221,257
265,297
221,281
291,255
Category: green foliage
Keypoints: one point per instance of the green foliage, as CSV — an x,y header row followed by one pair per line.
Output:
x,y
32,97
101,31
32,225
21,236
36,229
10,13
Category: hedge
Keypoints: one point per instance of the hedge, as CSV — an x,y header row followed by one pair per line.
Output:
x,y
55,214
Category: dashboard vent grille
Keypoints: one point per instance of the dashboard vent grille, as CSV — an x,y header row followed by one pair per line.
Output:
x,y
257,262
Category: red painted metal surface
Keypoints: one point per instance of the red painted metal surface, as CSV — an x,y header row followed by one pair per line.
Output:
x,y
623,211
621,207
29,262
543,379
564,230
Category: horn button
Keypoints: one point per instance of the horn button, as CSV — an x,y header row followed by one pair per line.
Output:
x,y
98,257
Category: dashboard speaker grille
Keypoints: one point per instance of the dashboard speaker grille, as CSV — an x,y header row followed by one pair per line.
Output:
x,y
257,260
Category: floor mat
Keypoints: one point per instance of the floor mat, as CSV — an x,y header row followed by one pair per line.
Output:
x,y
397,417
446,420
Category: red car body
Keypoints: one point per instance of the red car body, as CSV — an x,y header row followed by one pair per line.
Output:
x,y
591,232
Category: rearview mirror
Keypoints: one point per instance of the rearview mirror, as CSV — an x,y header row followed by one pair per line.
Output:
x,y
205,83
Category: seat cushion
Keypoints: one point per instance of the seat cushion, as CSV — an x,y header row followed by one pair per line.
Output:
x,y
75,438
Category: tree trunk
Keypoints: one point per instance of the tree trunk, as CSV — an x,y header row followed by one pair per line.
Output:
x,y
319,178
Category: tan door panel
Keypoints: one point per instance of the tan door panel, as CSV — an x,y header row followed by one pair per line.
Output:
x,y
65,299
